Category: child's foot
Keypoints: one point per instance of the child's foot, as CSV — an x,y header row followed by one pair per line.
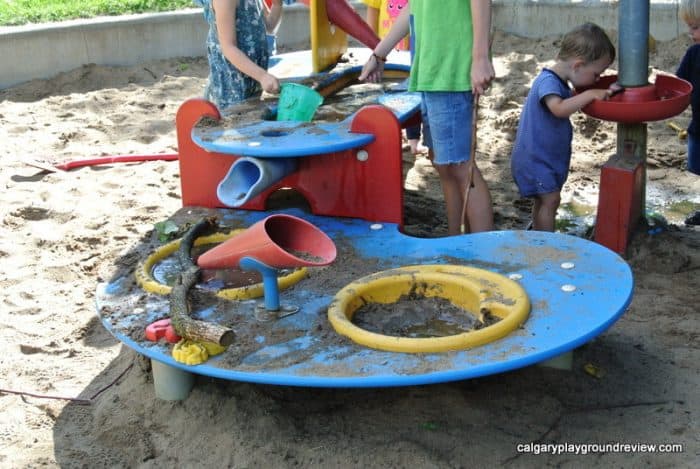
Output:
x,y
693,219
417,148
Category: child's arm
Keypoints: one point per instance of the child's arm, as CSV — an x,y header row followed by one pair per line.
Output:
x,y
563,108
372,70
398,31
482,71
273,15
226,27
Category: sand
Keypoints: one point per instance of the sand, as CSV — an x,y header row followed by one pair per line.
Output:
x,y
73,396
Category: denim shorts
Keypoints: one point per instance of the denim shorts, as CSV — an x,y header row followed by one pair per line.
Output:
x,y
447,123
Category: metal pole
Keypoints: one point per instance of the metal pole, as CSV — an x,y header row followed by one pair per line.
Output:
x,y
633,61
633,21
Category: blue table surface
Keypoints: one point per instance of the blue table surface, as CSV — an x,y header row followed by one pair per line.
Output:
x,y
559,321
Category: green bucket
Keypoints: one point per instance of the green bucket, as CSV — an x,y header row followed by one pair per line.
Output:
x,y
297,103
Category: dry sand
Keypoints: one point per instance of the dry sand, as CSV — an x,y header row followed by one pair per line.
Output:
x,y
73,396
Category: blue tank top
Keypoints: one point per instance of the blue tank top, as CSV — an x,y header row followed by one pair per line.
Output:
x,y
227,85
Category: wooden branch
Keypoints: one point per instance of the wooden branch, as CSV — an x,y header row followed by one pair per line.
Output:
x,y
180,309
184,254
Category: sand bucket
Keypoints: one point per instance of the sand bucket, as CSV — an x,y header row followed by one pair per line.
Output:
x,y
297,103
279,241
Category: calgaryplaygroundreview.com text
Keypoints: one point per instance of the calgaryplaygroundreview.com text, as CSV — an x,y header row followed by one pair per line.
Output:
x,y
591,448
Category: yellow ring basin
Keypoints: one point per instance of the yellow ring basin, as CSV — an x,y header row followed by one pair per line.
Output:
x,y
466,287
148,283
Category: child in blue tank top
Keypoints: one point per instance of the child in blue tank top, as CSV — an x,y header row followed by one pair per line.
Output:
x,y
237,49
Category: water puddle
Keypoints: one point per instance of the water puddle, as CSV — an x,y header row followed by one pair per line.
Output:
x,y
577,212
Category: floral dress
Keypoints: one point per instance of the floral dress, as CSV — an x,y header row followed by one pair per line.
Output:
x,y
227,85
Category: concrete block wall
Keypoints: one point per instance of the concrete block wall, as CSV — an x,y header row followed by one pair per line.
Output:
x,y
540,18
41,51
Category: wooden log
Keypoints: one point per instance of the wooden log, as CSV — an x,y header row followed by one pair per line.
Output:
x,y
180,309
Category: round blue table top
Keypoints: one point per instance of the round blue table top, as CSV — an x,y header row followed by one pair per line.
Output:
x,y
577,289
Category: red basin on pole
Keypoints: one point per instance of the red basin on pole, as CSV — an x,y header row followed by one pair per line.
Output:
x,y
667,97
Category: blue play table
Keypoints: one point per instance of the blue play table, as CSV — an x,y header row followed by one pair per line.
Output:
x,y
577,289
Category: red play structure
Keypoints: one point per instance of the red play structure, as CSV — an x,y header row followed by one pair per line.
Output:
x,y
364,182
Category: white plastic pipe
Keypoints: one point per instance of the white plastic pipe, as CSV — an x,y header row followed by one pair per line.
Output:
x,y
170,383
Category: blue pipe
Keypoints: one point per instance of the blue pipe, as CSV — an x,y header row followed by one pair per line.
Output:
x,y
269,275
633,47
249,176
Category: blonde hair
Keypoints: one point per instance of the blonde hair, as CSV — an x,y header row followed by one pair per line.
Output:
x,y
587,42
689,10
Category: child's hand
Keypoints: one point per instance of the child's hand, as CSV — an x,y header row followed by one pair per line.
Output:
x,y
270,83
372,70
482,73
612,90
616,88
598,93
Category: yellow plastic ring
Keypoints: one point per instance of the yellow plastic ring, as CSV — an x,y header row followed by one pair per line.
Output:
x,y
466,287
146,281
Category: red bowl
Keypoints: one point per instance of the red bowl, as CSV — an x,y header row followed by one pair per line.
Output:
x,y
668,97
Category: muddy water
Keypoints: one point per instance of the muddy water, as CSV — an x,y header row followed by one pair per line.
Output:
x,y
419,317
166,272
577,214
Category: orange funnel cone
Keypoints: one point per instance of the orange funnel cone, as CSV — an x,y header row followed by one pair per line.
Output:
x,y
341,14
279,241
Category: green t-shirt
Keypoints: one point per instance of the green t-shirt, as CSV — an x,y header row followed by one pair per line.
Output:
x,y
443,45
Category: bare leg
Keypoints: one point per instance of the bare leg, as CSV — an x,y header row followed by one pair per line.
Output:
x,y
479,214
453,181
544,211
479,205
416,147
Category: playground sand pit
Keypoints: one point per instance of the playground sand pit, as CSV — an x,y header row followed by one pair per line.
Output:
x,y
73,396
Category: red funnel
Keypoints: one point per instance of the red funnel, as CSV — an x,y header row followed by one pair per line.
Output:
x,y
279,241
341,14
